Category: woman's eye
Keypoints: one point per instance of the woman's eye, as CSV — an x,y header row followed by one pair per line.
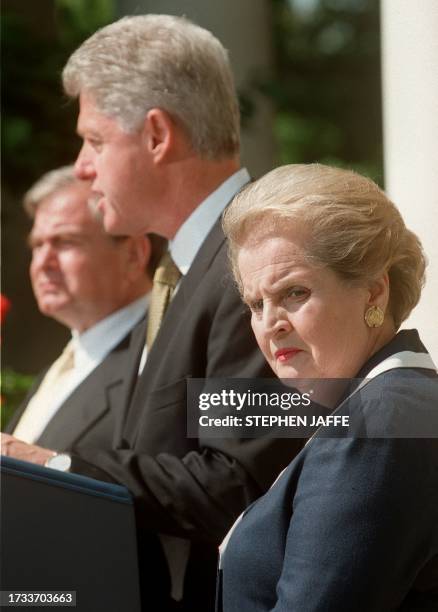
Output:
x,y
297,293
256,306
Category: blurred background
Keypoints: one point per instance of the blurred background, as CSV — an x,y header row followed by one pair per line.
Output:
x,y
309,81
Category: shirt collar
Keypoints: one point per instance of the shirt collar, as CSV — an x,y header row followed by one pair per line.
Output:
x,y
93,345
196,227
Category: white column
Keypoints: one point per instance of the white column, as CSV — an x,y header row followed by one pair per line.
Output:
x,y
410,115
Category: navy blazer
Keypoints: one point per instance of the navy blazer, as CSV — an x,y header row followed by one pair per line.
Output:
x,y
352,524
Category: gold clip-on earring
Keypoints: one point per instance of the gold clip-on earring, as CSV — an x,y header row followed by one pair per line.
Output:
x,y
374,316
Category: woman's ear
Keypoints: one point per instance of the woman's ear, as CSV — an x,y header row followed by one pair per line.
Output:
x,y
379,292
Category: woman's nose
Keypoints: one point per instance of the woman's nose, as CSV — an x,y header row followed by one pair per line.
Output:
x,y
275,320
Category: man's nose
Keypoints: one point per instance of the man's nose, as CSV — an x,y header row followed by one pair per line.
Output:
x,y
44,256
84,167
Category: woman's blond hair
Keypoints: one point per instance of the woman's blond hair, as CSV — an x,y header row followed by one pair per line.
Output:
x,y
349,225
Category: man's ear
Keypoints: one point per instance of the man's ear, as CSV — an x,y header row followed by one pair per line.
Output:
x,y
159,132
138,253
379,292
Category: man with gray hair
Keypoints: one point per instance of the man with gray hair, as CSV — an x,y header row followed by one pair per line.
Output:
x,y
95,284
159,120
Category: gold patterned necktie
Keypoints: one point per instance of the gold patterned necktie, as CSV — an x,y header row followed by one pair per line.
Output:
x,y
166,278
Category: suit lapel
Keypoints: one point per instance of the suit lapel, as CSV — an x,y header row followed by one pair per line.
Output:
x,y
189,283
131,363
104,387
174,315
131,366
77,414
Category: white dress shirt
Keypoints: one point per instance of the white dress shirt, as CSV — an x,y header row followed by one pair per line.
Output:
x,y
90,349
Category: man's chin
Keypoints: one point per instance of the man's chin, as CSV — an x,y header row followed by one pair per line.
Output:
x,y
52,308
115,226
115,223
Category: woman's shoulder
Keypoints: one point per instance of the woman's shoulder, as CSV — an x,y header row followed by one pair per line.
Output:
x,y
401,402
402,385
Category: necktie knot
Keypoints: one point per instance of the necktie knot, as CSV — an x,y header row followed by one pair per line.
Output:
x,y
66,361
167,272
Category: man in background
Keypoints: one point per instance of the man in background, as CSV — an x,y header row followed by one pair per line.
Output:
x,y
96,285
159,119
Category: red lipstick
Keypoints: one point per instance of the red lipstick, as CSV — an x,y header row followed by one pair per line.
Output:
x,y
286,353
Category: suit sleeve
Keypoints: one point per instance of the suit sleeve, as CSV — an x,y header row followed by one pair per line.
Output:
x,y
363,517
200,494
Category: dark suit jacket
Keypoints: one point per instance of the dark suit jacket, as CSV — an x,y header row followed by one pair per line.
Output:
x,y
191,488
88,416
352,524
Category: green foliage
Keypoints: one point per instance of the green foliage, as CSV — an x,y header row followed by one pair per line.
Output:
x,y
326,88
39,123
80,18
14,387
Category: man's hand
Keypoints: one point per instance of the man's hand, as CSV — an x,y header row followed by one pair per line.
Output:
x,y
12,447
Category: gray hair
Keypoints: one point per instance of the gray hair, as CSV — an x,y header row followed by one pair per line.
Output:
x,y
47,185
160,61
349,225
52,182
64,177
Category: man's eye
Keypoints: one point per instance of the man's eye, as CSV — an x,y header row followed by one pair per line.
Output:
x,y
95,144
65,243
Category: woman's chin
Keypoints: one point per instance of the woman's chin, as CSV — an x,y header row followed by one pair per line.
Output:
x,y
288,372
295,378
